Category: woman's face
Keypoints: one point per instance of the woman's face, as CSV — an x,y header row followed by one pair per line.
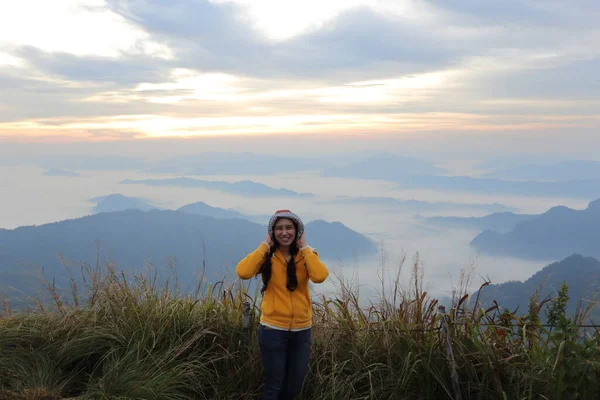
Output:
x,y
284,231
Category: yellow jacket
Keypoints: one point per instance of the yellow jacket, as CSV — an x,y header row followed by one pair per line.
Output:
x,y
280,307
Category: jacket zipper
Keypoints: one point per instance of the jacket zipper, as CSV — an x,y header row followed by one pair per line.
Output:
x,y
291,298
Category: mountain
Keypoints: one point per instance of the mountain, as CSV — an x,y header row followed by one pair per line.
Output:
x,y
85,162
60,172
133,239
580,188
384,166
347,243
118,202
582,275
232,164
499,222
494,162
413,173
320,230
562,171
418,205
201,208
557,233
244,188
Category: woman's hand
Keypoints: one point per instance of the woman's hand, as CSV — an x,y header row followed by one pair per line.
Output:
x,y
301,241
269,240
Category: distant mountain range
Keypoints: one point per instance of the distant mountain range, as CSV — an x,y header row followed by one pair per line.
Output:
x,y
87,162
418,205
133,239
233,164
556,234
412,173
60,172
385,166
118,202
201,208
202,163
245,188
501,222
582,275
576,188
571,170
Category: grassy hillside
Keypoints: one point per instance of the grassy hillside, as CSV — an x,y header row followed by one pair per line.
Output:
x,y
140,339
581,274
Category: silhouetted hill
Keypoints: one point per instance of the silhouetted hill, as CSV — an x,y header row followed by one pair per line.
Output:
x,y
119,202
132,239
582,275
347,241
576,188
245,188
201,208
418,205
232,164
562,171
85,162
384,166
557,233
499,222
60,172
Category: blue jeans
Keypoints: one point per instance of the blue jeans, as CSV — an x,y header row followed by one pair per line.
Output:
x,y
285,356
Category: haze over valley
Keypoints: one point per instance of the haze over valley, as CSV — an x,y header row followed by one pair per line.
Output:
x,y
442,155
442,226
449,129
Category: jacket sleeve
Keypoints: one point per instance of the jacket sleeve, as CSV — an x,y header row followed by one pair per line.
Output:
x,y
250,265
317,271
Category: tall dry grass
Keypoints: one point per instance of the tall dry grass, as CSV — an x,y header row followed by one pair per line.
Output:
x,y
141,338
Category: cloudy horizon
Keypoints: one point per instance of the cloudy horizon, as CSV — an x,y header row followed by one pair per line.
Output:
x,y
481,73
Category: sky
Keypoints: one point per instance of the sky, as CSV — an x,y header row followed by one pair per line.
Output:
x,y
456,81
473,72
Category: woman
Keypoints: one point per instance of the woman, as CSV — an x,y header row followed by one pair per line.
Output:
x,y
286,263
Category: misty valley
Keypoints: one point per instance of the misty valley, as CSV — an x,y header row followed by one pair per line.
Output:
x,y
299,200
367,223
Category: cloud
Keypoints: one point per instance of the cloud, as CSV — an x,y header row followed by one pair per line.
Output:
x,y
111,134
555,13
202,31
575,80
124,71
362,39
360,43
210,37
357,44
403,67
54,101
540,26
81,27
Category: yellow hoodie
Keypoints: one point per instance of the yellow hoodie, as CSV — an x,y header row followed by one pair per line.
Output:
x,y
281,308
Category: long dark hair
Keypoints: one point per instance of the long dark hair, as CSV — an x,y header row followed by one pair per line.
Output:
x,y
266,268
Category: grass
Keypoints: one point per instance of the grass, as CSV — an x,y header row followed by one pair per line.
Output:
x,y
143,339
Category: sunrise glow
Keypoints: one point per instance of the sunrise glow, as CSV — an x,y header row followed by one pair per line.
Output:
x,y
74,68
